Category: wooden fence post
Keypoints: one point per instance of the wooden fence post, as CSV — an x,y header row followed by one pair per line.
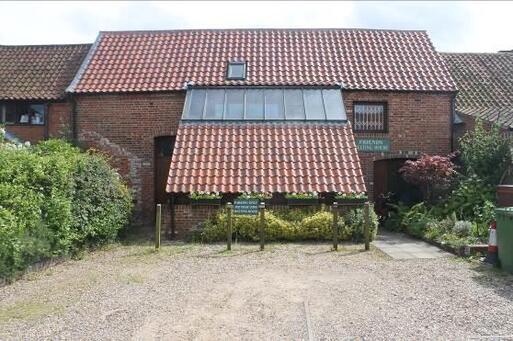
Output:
x,y
262,225
366,216
335,225
158,224
229,223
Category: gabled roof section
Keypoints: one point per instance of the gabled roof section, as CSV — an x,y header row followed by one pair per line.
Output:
x,y
38,72
485,83
265,157
139,61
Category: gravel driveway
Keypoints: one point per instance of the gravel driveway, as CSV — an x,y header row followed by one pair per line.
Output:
x,y
290,291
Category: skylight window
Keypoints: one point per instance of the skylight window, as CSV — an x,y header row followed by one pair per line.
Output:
x,y
236,71
264,104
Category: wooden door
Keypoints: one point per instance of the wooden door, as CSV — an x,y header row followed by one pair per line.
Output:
x,y
163,151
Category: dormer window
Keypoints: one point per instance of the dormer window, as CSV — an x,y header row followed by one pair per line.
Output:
x,y
236,71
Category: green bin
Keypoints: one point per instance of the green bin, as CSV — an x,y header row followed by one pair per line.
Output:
x,y
504,218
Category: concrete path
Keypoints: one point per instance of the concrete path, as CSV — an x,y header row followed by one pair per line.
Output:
x,y
400,246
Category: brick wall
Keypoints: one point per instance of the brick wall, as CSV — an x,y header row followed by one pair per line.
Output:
x,y
125,125
59,120
417,123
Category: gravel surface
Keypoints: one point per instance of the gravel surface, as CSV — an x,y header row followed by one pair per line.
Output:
x,y
291,291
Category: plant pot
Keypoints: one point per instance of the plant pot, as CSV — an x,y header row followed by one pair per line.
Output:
x,y
351,201
302,202
206,202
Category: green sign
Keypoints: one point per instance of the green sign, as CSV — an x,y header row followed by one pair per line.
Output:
x,y
246,206
373,145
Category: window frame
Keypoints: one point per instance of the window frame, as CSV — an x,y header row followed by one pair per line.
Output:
x,y
264,89
244,70
385,116
3,113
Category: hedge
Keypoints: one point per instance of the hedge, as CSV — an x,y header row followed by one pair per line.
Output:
x,y
287,225
56,200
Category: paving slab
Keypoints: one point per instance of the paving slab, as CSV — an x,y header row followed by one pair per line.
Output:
x,y
401,246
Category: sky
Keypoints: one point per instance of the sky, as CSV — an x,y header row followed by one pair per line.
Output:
x,y
453,26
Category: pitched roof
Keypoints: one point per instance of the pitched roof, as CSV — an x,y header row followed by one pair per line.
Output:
x,y
485,83
38,71
358,58
265,157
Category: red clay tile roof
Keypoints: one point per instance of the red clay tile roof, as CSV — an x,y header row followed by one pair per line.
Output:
x,y
485,83
38,71
360,59
265,157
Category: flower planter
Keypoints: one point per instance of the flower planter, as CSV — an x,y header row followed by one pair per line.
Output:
x,y
206,202
353,201
302,202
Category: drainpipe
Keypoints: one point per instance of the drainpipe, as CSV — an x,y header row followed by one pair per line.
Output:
x,y
453,115
73,119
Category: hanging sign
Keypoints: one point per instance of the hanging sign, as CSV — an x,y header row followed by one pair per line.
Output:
x,y
373,145
246,206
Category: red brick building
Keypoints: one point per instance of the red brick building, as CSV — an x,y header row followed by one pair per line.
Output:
x,y
395,100
33,80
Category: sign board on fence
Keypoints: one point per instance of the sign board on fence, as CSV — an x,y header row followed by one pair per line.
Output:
x,y
373,145
246,206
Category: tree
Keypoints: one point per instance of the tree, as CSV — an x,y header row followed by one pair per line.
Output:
x,y
485,153
431,173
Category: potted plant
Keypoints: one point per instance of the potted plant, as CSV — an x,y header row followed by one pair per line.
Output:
x,y
351,198
255,195
305,198
205,198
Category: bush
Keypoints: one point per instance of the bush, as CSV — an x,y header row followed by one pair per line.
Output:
x,y
55,200
433,174
462,228
485,153
287,225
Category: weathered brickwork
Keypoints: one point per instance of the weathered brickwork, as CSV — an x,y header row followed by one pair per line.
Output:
x,y
417,123
125,126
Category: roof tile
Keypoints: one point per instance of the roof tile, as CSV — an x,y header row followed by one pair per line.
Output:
x,y
485,83
38,71
265,157
361,59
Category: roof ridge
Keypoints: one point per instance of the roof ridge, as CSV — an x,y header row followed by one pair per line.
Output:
x,y
262,29
83,65
499,53
46,45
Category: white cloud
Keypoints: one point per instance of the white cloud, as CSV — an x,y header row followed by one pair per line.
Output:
x,y
453,26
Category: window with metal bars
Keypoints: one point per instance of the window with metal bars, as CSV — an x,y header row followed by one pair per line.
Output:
x,y
370,117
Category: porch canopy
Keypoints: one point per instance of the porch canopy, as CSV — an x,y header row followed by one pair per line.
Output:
x,y
293,142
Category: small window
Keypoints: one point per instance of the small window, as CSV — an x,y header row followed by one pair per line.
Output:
x,y
334,104
370,116
23,113
314,105
236,71
294,105
255,104
274,105
234,105
214,106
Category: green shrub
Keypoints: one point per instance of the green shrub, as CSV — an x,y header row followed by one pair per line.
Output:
x,y
485,153
280,225
54,200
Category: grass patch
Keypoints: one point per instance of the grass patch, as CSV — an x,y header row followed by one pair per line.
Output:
x,y
27,310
